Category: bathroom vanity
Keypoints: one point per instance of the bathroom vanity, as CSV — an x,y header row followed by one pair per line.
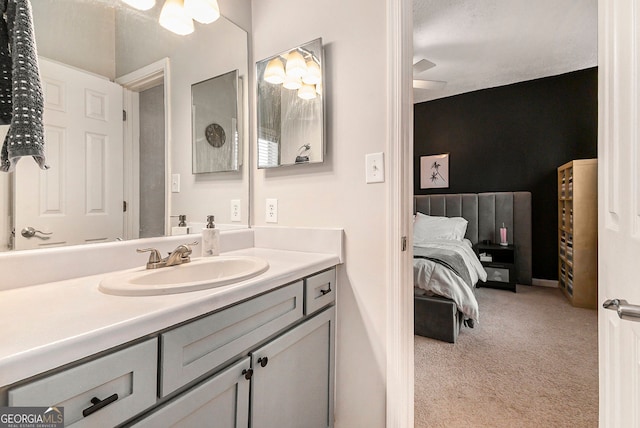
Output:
x,y
258,352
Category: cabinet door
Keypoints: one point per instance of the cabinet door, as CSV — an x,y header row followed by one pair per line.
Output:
x,y
292,384
221,401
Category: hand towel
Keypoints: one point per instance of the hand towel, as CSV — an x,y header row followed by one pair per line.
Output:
x,y
21,98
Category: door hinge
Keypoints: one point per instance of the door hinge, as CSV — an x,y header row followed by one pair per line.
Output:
x,y
403,243
124,206
124,115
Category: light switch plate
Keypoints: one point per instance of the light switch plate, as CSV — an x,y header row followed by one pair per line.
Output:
x,y
271,215
175,183
235,210
374,164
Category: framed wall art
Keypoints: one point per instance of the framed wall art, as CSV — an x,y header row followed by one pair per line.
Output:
x,y
434,171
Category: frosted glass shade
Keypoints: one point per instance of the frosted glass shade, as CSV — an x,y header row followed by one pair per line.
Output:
x,y
307,92
203,11
274,72
319,89
174,18
141,4
292,82
313,74
296,65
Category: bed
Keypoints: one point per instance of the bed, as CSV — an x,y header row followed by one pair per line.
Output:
x,y
452,224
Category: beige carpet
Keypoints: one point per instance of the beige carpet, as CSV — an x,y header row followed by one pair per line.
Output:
x,y
531,362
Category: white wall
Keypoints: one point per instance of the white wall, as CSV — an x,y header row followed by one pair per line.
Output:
x,y
334,194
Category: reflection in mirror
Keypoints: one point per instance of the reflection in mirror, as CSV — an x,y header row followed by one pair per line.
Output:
x,y
290,107
214,111
106,40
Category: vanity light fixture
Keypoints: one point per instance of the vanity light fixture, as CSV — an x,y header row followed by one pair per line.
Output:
x,y
296,65
307,92
203,11
174,18
313,75
292,82
141,4
274,72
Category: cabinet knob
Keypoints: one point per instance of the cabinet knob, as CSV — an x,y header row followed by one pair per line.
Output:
x,y
247,373
263,361
98,404
325,291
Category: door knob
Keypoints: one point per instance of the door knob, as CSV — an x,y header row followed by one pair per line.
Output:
x,y
624,309
30,232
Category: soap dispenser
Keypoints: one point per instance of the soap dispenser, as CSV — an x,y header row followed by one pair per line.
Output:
x,y
210,239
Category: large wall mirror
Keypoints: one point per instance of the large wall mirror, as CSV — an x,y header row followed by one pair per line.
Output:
x,y
142,165
290,107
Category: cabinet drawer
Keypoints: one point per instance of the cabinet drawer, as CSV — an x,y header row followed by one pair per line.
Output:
x,y
199,347
320,290
129,373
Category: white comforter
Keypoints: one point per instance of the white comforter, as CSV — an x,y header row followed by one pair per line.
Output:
x,y
437,279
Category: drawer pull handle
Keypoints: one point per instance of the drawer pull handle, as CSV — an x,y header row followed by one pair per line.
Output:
x,y
325,291
247,373
263,361
99,404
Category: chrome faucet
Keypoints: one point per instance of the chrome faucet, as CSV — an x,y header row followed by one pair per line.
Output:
x,y
178,256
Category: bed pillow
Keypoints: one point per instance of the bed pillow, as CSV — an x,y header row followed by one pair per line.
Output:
x,y
429,228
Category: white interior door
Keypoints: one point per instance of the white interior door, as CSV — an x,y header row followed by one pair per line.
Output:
x,y
619,209
79,199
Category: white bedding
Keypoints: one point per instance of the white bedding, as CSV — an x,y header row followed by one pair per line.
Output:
x,y
434,278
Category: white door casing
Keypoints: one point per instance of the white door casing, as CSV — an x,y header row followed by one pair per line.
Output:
x,y
79,199
618,209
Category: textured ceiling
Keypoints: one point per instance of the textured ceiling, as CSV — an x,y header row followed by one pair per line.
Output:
x,y
479,44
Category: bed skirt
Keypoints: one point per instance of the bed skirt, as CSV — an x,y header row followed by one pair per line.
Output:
x,y
436,317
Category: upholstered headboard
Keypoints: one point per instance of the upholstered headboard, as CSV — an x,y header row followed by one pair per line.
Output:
x,y
486,212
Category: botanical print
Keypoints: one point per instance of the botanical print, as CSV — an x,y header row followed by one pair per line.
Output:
x,y
434,171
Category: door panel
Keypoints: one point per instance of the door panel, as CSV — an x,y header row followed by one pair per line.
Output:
x,y
619,209
79,199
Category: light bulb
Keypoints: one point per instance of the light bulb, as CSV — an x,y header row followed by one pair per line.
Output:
x,y
203,11
274,72
174,18
141,4
307,92
292,82
296,66
313,75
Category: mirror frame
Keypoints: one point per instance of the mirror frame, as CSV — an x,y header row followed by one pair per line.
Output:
x,y
314,50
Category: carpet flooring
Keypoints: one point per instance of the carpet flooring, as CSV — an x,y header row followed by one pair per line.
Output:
x,y
532,361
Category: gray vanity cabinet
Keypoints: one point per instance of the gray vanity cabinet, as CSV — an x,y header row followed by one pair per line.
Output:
x,y
292,383
221,401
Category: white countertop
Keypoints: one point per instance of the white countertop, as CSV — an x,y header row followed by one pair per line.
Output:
x,y
49,325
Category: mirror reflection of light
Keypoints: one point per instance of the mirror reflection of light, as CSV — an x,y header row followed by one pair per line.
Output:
x,y
292,82
274,73
296,65
203,11
312,77
174,18
307,92
140,4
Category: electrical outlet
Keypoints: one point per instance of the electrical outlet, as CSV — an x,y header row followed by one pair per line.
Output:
x,y
271,215
175,183
235,210
374,164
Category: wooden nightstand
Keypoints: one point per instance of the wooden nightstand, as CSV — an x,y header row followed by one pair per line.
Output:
x,y
499,262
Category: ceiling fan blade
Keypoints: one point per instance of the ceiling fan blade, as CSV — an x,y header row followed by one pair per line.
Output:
x,y
422,65
429,84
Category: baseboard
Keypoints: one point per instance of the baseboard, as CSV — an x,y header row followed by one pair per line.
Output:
x,y
552,283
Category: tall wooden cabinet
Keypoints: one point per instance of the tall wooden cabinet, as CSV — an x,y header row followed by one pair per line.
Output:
x,y
578,232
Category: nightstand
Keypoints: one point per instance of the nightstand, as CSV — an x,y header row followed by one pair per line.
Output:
x,y
499,262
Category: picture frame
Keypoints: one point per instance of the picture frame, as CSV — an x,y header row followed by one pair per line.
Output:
x,y
434,171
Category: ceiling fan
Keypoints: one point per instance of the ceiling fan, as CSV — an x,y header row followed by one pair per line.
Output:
x,y
419,67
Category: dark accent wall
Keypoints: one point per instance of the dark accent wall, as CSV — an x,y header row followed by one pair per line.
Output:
x,y
513,138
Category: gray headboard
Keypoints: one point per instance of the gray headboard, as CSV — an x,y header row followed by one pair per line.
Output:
x,y
486,212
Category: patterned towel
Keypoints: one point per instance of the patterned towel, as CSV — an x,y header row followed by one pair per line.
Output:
x,y
21,99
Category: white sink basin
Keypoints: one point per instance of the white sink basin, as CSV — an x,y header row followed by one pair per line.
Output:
x,y
199,274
